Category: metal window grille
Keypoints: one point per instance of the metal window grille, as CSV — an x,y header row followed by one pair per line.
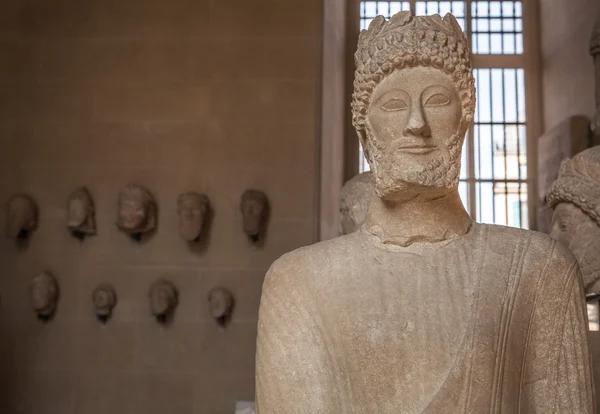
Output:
x,y
494,179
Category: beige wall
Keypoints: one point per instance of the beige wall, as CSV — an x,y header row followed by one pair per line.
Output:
x,y
568,77
179,95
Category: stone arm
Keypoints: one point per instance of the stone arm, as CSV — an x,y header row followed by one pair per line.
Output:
x,y
291,370
575,379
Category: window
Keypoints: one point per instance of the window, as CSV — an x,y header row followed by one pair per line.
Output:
x,y
494,181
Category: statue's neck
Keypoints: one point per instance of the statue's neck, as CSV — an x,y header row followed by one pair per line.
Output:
x,y
419,219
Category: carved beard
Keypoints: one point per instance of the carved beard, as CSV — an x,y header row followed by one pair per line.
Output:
x,y
391,178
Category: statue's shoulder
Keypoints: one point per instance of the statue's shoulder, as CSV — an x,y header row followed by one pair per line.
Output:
x,y
535,245
311,262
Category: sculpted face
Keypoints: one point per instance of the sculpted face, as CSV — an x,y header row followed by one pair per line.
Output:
x,y
44,294
413,123
254,207
105,299
354,201
80,215
581,234
192,209
21,216
163,299
221,305
137,210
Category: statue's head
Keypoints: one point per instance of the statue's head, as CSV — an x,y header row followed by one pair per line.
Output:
x,y
575,197
80,215
104,299
221,304
192,209
22,216
413,101
137,210
354,203
255,208
163,299
44,295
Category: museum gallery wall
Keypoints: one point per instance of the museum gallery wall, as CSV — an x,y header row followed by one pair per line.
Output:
x,y
179,97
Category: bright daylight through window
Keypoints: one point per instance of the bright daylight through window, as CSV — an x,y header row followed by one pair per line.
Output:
x,y
494,176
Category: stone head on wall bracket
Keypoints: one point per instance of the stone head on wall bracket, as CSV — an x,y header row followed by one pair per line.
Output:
x,y
575,197
104,299
164,298
413,101
137,213
44,294
354,201
221,302
80,214
255,211
22,217
192,209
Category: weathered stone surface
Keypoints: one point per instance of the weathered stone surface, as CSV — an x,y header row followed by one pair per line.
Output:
x,y
355,198
563,141
422,310
575,198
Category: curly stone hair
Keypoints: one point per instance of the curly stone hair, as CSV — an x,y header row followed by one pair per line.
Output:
x,y
578,183
408,41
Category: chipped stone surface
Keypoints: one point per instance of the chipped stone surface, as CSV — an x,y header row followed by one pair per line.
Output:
x,y
422,310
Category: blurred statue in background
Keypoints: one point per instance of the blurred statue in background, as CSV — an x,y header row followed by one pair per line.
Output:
x,y
22,217
192,209
137,213
44,293
255,210
104,299
355,198
163,300
221,305
575,197
80,214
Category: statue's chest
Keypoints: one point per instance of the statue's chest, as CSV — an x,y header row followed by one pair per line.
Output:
x,y
402,331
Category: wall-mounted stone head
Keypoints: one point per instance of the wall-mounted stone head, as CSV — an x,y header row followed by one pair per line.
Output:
x,y
137,211
80,213
21,217
413,101
575,197
163,299
255,210
355,198
221,304
104,299
192,209
44,293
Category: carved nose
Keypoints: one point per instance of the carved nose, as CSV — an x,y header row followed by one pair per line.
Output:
x,y
417,126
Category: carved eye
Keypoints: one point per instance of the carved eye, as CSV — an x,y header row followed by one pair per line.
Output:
x,y
437,99
563,226
394,105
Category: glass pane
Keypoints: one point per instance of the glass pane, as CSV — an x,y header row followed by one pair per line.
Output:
x,y
463,191
457,8
497,27
371,9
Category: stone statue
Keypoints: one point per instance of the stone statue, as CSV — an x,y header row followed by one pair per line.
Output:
x,y
137,211
163,300
104,299
575,197
255,211
595,52
355,197
22,217
80,217
44,295
221,305
192,209
422,310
